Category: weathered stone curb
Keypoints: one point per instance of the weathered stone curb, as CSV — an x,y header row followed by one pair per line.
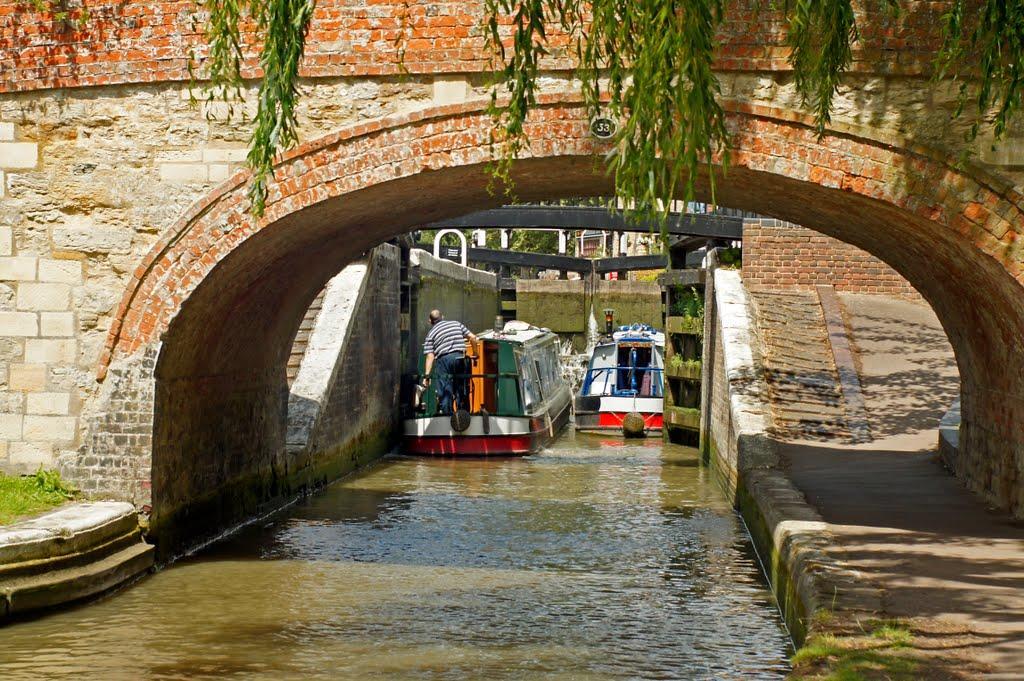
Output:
x,y
66,530
842,355
75,552
790,537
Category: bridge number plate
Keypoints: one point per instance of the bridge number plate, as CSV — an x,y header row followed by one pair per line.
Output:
x,y
603,128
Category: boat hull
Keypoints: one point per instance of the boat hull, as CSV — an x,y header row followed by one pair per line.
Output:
x,y
501,436
605,414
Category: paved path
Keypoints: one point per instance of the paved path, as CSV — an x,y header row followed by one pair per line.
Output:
x,y
931,547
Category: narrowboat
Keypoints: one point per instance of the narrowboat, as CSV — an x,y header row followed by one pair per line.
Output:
x,y
511,400
625,376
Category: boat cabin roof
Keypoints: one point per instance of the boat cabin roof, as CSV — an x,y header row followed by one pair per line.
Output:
x,y
638,335
516,332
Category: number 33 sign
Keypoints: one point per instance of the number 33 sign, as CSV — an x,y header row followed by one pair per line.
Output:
x,y
603,128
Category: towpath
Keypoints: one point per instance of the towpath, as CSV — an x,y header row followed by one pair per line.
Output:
x,y
932,550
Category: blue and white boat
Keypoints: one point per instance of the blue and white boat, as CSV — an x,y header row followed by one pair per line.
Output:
x,y
625,375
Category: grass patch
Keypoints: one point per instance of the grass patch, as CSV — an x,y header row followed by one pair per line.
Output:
x,y
28,494
879,653
896,635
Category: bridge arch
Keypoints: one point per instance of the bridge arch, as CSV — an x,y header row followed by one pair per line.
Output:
x,y
220,295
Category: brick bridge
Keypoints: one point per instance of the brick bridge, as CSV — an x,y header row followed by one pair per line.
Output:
x,y
147,317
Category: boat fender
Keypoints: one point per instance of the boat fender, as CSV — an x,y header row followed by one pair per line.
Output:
x,y
633,425
460,420
486,421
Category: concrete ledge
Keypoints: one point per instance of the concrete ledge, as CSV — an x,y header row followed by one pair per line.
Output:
x,y
342,298
67,530
745,376
75,552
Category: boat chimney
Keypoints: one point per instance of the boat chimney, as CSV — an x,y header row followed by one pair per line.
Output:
x,y
609,320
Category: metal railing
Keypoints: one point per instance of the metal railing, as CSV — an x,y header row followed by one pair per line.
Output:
x,y
657,382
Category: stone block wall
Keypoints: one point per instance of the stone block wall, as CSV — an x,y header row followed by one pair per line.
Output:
x,y
88,182
780,255
735,413
462,293
564,306
40,304
557,304
359,413
632,301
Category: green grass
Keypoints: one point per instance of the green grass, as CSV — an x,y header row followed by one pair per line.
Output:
x,y
30,494
878,655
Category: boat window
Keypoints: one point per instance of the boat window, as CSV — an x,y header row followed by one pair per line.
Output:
x,y
540,375
548,369
531,382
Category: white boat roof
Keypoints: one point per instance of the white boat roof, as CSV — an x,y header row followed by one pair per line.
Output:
x,y
639,332
515,332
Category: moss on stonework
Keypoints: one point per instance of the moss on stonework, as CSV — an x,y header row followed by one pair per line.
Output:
x,y
782,585
251,496
779,580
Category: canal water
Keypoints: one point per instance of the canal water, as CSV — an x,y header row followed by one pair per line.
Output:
x,y
596,560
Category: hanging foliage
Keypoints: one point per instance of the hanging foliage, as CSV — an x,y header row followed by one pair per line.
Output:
x,y
280,28
985,42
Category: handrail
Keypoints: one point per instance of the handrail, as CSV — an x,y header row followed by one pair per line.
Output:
x,y
600,370
509,374
592,374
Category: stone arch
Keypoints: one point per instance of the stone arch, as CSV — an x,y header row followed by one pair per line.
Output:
x,y
222,293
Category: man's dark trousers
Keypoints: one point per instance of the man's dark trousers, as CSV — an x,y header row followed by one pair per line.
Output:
x,y
446,367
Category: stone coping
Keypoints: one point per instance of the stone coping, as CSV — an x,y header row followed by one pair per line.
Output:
x,y
791,538
66,530
426,262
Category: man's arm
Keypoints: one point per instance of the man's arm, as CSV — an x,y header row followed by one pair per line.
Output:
x,y
428,366
428,348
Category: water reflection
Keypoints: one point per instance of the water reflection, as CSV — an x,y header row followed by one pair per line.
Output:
x,y
596,560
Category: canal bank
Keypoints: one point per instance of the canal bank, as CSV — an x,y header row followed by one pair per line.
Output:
x,y
880,560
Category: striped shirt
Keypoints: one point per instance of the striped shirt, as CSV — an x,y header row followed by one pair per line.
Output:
x,y
446,336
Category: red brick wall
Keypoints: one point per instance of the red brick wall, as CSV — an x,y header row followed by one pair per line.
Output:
x,y
781,255
140,41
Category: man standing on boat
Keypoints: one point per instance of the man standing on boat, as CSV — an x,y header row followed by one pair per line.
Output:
x,y
445,345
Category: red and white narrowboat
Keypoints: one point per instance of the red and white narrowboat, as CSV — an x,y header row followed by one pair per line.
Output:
x,y
511,400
